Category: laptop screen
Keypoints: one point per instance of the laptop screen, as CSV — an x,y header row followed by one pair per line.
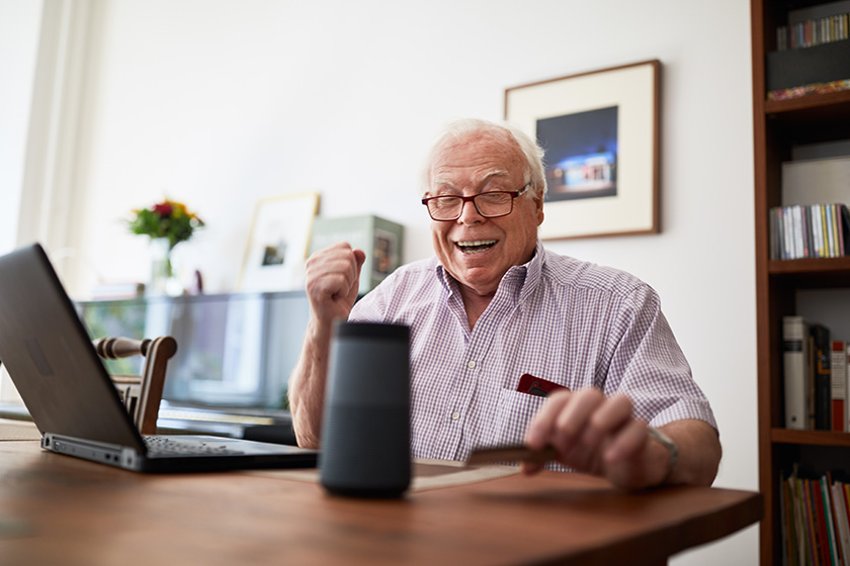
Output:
x,y
233,350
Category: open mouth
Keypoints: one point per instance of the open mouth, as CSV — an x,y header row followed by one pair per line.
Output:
x,y
475,246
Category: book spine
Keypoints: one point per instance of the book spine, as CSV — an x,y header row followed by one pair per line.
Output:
x,y
840,513
822,377
817,229
838,371
847,388
829,526
827,222
788,231
794,366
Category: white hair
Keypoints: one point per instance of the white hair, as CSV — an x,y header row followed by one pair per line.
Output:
x,y
460,129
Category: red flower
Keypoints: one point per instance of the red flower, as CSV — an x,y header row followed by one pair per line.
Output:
x,y
163,209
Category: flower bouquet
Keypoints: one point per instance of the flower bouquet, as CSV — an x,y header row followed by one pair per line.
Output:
x,y
166,223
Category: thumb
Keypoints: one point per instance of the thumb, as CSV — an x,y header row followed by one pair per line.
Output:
x,y
359,258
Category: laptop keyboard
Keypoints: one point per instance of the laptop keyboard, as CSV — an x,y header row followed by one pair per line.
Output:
x,y
168,446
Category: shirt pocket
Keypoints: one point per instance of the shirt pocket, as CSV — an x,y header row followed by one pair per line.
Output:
x,y
515,410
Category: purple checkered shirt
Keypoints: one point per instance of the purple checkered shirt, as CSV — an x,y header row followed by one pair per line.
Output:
x,y
568,321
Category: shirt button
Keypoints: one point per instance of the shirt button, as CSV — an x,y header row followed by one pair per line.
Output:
x,y
470,364
455,416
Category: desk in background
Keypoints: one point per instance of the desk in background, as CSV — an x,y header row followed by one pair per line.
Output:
x,y
56,509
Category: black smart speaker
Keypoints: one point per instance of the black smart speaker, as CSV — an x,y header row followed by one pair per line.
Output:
x,y
365,447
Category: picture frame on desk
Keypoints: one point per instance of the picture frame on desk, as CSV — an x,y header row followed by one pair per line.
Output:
x,y
278,243
601,134
381,239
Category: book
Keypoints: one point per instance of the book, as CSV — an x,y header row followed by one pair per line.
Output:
x,y
815,230
822,376
842,520
794,359
846,403
838,370
830,540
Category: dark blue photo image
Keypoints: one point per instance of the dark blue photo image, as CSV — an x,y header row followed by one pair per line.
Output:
x,y
581,154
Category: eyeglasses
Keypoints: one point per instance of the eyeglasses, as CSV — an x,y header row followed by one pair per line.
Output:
x,y
492,204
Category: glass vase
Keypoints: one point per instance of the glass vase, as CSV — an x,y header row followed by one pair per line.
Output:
x,y
163,280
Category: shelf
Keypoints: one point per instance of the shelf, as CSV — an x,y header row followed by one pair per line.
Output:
x,y
807,104
812,272
811,119
809,265
810,437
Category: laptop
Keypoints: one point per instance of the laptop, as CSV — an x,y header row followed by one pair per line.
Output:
x,y
70,396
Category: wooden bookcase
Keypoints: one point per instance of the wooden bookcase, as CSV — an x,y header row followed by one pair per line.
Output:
x,y
778,127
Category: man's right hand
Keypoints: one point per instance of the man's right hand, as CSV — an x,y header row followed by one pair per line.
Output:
x,y
332,281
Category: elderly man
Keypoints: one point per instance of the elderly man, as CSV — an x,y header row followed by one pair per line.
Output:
x,y
512,343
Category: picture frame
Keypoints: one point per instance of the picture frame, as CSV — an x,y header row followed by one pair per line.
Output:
x,y
381,239
278,243
600,131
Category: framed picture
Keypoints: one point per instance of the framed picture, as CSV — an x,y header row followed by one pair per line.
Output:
x,y
600,133
278,243
381,239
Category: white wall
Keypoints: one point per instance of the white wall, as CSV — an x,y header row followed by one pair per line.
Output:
x,y
19,27
220,103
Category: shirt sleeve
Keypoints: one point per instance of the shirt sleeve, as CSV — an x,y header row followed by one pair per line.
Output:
x,y
372,307
648,365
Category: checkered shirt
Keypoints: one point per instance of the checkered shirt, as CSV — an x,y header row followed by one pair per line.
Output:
x,y
571,322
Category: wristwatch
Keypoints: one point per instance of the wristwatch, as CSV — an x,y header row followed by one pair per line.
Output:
x,y
671,447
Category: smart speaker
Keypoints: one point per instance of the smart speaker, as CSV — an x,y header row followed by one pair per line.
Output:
x,y
365,439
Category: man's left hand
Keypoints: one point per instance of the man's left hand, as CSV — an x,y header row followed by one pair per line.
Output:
x,y
598,435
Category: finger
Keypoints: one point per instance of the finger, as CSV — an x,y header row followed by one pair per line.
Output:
x,y
571,422
612,414
531,468
627,443
540,429
359,257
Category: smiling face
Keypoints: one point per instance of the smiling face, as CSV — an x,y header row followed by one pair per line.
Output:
x,y
477,251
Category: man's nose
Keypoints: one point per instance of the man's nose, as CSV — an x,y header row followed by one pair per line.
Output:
x,y
469,214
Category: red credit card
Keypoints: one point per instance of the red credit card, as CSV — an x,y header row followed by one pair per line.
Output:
x,y
537,385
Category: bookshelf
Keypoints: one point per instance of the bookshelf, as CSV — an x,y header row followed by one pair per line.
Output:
x,y
778,127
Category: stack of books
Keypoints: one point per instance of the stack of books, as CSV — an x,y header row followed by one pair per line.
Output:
x,y
809,33
801,231
815,519
815,374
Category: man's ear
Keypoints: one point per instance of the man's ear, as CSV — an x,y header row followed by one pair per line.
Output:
x,y
539,202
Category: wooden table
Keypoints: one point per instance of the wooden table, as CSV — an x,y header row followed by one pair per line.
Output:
x,y
57,509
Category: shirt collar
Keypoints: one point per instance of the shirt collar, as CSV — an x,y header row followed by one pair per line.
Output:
x,y
521,279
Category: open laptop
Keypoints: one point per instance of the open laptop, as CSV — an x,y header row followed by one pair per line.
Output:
x,y
71,398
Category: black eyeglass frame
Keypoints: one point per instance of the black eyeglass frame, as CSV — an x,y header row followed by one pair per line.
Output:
x,y
464,199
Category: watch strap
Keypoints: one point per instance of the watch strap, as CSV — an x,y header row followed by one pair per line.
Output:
x,y
672,450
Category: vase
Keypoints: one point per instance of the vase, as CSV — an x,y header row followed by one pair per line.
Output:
x,y
163,280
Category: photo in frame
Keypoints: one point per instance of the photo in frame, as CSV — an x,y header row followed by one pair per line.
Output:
x,y
600,131
278,243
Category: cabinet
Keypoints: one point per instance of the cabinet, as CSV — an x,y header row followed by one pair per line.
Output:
x,y
779,127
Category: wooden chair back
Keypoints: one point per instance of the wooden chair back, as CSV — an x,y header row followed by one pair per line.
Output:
x,y
140,393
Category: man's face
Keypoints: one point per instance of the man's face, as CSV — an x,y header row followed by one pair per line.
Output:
x,y
477,251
